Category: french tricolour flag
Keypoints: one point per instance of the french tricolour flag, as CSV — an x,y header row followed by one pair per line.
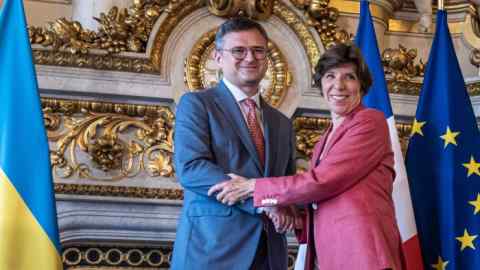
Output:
x,y
378,98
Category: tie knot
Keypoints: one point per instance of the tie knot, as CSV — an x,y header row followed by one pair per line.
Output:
x,y
250,103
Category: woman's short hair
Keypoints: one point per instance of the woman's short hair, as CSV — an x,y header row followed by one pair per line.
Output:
x,y
341,54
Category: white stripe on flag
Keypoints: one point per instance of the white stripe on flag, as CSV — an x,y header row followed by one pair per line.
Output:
x,y
401,191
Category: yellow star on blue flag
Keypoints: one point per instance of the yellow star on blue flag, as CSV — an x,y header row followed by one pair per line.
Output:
x,y
449,137
417,127
440,265
472,166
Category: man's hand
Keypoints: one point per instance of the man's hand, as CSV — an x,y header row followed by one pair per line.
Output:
x,y
234,190
282,217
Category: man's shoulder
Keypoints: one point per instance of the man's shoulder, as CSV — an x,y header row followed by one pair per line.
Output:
x,y
200,94
278,114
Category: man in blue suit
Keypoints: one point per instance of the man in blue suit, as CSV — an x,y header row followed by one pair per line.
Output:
x,y
231,129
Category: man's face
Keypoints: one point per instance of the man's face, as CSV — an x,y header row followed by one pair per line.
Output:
x,y
247,72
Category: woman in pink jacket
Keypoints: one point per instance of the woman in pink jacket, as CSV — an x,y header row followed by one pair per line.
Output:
x,y
350,218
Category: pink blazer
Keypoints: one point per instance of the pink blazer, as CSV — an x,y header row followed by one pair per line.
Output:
x,y
354,224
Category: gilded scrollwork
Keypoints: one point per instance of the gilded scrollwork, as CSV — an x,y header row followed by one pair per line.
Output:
x,y
176,11
308,130
256,9
404,87
473,89
413,88
95,61
119,191
475,57
201,70
295,22
399,63
106,141
323,18
119,30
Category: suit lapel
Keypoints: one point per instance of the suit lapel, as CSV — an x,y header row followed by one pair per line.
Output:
x,y
341,129
270,132
318,148
227,103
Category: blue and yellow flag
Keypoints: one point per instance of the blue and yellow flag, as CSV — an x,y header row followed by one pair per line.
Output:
x,y
28,221
443,162
378,98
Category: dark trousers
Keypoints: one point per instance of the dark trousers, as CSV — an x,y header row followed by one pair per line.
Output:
x,y
260,262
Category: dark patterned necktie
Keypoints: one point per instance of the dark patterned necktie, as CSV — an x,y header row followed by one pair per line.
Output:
x,y
255,130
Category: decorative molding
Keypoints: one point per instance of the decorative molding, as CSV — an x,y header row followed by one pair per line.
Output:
x,y
255,9
413,88
201,71
117,62
116,141
119,191
175,13
117,257
321,15
399,63
123,257
119,31
300,28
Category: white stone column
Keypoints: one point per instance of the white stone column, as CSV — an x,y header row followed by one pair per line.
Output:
x,y
83,11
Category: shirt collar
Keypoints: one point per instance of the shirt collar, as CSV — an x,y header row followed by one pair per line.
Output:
x,y
239,95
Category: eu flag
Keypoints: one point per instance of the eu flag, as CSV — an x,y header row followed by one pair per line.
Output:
x,y
28,221
443,162
378,98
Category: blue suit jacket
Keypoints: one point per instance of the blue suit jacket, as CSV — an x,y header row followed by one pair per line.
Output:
x,y
212,140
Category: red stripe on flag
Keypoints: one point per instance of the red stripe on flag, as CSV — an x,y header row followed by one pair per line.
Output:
x,y
413,256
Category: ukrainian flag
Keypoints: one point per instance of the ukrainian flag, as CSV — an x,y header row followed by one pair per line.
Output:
x,y
28,224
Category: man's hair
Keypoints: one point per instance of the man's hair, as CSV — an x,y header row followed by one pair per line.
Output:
x,y
341,54
237,24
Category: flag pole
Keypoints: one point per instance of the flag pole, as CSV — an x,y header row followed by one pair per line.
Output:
x,y
441,5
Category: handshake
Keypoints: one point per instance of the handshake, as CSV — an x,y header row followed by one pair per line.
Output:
x,y
239,188
284,218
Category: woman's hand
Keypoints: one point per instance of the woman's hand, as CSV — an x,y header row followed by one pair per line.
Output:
x,y
234,190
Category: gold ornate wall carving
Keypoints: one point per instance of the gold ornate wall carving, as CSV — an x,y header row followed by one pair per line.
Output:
x,y
301,29
119,191
400,63
119,257
128,31
95,61
108,142
323,17
119,31
201,70
255,9
413,88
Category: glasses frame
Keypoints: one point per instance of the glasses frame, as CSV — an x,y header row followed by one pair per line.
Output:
x,y
245,53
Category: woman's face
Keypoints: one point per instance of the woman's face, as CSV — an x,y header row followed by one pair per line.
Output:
x,y
341,89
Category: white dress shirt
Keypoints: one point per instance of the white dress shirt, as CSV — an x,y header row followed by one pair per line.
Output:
x,y
240,96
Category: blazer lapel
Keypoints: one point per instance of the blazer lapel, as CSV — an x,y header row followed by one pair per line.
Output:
x,y
318,148
227,103
341,129
270,132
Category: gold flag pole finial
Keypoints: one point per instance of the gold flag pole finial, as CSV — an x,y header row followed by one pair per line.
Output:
x,y
441,5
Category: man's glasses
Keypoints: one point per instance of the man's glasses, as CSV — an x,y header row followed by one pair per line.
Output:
x,y
240,53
